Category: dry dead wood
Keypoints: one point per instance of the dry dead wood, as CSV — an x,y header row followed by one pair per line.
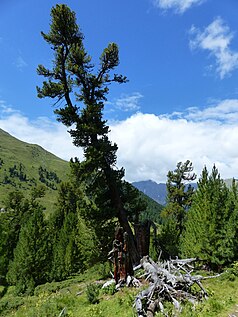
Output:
x,y
169,281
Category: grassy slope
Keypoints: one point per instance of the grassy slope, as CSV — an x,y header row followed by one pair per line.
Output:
x,y
53,297
31,156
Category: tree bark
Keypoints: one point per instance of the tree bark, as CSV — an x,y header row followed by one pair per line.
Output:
x,y
122,216
142,234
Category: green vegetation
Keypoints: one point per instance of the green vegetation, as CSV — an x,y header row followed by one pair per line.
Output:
x,y
179,200
25,166
51,298
64,222
39,244
211,224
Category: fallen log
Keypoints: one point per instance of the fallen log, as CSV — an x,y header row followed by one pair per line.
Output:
x,y
168,281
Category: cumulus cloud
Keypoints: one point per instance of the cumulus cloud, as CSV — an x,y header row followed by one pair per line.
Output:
x,y
216,38
179,6
149,145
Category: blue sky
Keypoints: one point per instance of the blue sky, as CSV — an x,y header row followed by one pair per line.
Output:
x,y
181,59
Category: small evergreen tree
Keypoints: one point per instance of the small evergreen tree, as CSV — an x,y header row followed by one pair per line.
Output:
x,y
211,224
18,210
65,252
179,198
4,253
29,267
74,246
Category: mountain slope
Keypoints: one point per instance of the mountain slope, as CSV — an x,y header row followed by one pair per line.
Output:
x,y
158,192
155,191
153,209
24,166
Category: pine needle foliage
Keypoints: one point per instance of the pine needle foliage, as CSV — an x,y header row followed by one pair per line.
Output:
x,y
211,224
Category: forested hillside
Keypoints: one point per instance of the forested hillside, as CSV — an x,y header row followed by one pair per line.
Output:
x,y
25,166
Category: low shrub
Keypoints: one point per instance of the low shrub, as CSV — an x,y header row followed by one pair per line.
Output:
x,y
92,292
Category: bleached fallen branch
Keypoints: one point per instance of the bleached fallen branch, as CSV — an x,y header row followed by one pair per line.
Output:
x,y
63,312
169,281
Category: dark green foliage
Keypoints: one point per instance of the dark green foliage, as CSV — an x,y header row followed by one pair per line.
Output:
x,y
18,172
179,199
49,178
65,252
92,293
38,192
15,175
63,227
73,242
153,210
169,237
94,208
133,202
24,243
17,212
4,260
29,265
211,225
179,195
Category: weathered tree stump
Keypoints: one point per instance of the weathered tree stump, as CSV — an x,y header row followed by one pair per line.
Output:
x,y
120,257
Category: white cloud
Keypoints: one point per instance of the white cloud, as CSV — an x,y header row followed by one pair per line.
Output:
x,y
20,63
7,109
150,145
179,6
216,38
52,136
127,103
226,111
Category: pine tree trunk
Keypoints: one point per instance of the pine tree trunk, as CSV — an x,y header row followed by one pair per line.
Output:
x,y
142,234
122,216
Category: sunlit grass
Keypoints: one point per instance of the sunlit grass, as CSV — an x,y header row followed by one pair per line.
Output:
x,y
51,298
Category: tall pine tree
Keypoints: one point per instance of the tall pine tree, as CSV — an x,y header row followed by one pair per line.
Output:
x,y
74,73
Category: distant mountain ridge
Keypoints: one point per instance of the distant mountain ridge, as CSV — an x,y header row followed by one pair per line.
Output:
x,y
157,192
